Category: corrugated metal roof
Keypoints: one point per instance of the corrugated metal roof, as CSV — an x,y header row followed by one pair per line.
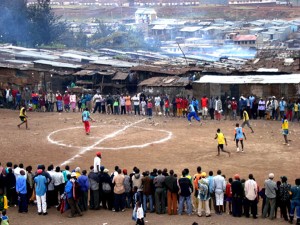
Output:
x,y
172,81
251,79
120,76
57,64
190,29
245,38
85,73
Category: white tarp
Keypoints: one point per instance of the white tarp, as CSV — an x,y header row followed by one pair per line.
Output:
x,y
251,79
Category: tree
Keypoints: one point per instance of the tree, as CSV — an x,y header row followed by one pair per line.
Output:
x,y
44,27
13,21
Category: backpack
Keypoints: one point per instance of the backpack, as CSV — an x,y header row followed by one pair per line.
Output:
x,y
203,189
106,187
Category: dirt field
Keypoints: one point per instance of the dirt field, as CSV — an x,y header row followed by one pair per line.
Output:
x,y
130,141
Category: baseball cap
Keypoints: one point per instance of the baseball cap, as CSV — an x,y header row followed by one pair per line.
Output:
x,y
271,175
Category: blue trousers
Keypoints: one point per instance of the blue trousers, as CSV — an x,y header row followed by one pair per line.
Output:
x,y
193,114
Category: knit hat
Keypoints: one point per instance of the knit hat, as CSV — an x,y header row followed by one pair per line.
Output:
x,y
98,154
125,171
271,175
236,176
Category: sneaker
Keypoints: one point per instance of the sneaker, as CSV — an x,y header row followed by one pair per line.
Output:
x,y
190,123
123,210
242,150
237,149
40,213
45,213
113,210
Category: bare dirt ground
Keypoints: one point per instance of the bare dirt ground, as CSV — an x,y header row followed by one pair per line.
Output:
x,y
188,147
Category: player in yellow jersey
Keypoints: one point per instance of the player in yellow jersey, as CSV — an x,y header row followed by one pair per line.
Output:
x,y
246,120
23,117
285,129
221,142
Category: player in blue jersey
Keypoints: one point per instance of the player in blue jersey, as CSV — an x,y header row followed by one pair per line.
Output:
x,y
239,136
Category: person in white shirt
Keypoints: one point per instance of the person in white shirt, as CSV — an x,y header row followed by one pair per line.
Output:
x,y
73,101
136,104
251,196
139,213
52,200
58,181
219,188
97,162
97,100
157,104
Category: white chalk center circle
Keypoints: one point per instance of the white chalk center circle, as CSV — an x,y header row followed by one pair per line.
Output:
x,y
166,137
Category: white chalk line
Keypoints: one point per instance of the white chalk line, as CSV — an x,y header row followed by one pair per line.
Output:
x,y
91,147
112,135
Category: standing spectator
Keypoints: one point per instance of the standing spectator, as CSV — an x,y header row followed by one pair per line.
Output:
x,y
3,200
27,96
73,101
284,194
219,188
106,189
172,192
84,185
167,107
295,201
40,191
251,193
71,190
289,113
296,111
179,106
59,183
237,196
185,191
59,103
136,104
261,108
149,108
66,99
52,200
282,107
109,105
11,187
147,183
119,189
122,103
174,106
227,109
127,186
143,106
254,109
234,107
18,100
185,105
116,106
29,181
50,97
218,108
157,100
160,197
21,189
203,195
97,162
162,103
97,100
228,193
204,105
270,192
128,104
94,189
103,102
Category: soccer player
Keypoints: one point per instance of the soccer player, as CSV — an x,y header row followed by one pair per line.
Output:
x,y
192,113
23,117
221,142
85,119
285,129
239,137
246,120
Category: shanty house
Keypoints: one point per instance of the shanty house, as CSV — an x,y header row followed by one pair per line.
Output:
x,y
171,86
287,85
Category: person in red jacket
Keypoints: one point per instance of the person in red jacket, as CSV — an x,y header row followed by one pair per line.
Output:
x,y
178,106
234,108
228,193
204,106
184,105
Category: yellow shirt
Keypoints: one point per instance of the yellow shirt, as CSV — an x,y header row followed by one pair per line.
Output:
x,y
220,138
22,112
296,107
245,116
285,125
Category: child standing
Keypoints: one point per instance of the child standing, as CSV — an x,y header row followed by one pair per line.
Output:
x,y
221,142
4,218
285,129
239,137
3,201
228,193
167,107
149,108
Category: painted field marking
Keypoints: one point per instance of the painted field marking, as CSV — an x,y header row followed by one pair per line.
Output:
x,y
111,135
